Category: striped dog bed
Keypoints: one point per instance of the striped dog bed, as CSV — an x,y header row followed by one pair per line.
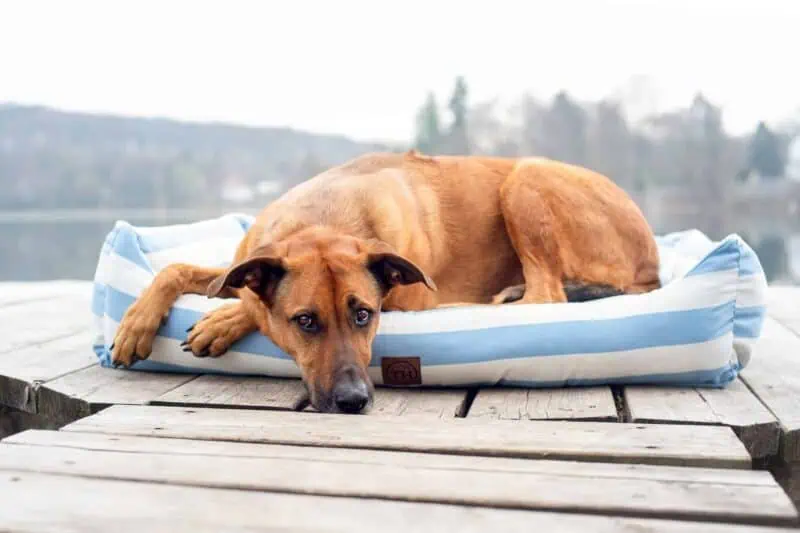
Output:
x,y
697,330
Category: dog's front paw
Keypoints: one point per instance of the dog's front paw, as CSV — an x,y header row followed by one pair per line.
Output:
x,y
134,338
213,334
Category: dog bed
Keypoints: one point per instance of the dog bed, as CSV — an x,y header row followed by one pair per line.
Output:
x,y
697,330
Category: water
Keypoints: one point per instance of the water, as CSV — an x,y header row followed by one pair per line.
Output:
x,y
46,246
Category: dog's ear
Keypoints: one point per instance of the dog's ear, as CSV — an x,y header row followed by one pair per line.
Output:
x,y
391,269
260,273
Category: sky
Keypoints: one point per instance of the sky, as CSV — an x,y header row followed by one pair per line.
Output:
x,y
362,68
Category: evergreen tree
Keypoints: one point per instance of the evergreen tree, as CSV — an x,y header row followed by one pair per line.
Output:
x,y
429,136
765,155
458,135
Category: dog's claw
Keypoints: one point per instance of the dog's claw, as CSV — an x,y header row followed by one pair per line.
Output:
x,y
187,348
190,328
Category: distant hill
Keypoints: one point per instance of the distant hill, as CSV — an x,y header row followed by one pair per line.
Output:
x,y
55,159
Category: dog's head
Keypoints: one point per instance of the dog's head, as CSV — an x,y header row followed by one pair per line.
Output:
x,y
319,300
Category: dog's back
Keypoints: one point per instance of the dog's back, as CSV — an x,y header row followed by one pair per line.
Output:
x,y
447,214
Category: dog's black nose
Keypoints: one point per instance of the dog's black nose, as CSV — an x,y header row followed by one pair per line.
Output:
x,y
351,399
351,393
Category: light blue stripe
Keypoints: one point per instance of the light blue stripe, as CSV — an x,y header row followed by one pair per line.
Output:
x,y
180,320
98,299
469,346
126,244
724,257
673,328
749,265
747,321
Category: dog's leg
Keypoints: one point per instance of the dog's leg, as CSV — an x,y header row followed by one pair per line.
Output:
x,y
134,337
529,223
570,225
213,334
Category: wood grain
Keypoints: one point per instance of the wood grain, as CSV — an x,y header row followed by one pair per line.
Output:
x,y
288,394
85,391
733,406
774,376
39,502
783,304
23,371
588,441
569,490
232,391
40,321
21,292
138,444
574,403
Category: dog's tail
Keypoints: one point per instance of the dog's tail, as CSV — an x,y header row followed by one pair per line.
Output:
x,y
581,292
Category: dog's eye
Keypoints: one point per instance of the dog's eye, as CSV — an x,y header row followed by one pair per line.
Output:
x,y
307,323
362,317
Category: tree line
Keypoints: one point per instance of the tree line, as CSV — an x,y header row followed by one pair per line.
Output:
x,y
684,147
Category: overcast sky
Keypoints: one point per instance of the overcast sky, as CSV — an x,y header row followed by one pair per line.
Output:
x,y
363,67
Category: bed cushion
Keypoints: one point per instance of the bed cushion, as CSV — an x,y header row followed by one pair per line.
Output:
x,y
697,330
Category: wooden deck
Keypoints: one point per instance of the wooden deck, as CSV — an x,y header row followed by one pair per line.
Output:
x,y
107,450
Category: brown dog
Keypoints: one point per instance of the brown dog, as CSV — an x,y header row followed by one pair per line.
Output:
x,y
403,232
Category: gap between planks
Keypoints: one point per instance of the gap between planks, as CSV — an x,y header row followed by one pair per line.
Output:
x,y
289,394
773,375
734,406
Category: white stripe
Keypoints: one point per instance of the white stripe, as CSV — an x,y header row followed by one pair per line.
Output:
x,y
751,291
695,292
210,252
743,347
122,274
166,350
169,351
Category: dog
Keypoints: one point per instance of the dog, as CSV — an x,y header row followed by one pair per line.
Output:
x,y
403,232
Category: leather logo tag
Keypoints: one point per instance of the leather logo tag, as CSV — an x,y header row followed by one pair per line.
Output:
x,y
401,371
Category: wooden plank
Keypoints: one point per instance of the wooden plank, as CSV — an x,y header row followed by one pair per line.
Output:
x,y
85,391
139,444
783,304
18,292
231,391
565,487
442,404
41,321
22,371
39,502
573,403
588,441
773,374
734,406
289,394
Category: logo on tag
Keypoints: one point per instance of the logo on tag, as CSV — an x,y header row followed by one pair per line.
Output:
x,y
401,371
